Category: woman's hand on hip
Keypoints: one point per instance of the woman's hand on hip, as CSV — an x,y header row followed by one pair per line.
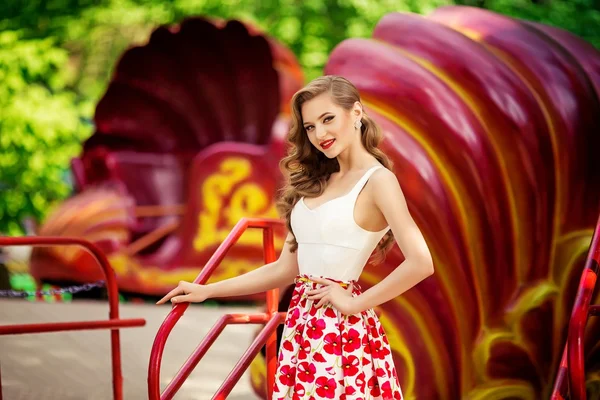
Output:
x,y
332,292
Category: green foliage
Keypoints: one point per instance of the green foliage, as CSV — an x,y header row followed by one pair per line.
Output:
x,y
41,127
56,59
97,35
312,28
581,17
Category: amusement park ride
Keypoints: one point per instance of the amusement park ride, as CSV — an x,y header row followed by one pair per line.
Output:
x,y
493,149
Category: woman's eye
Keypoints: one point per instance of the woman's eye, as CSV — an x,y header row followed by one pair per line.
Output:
x,y
327,119
308,128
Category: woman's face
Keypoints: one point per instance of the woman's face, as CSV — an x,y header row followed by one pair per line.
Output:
x,y
329,127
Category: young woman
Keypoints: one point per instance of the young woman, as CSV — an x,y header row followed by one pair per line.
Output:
x,y
341,203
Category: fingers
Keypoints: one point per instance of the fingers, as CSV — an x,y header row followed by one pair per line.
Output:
x,y
323,301
180,289
317,291
329,289
318,295
350,288
322,281
181,299
172,293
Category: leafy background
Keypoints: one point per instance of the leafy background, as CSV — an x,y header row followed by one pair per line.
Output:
x,y
56,59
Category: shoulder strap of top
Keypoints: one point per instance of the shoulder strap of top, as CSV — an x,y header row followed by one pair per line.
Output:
x,y
362,182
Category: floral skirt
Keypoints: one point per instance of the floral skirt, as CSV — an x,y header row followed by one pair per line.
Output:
x,y
327,355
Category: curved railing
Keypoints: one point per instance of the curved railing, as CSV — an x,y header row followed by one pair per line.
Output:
x,y
572,364
272,318
114,323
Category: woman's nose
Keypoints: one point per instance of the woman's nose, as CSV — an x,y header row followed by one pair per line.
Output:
x,y
320,132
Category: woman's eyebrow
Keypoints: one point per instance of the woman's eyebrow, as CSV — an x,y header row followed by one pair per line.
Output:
x,y
320,116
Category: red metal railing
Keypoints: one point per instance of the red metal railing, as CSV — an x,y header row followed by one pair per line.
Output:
x,y
570,379
272,318
114,323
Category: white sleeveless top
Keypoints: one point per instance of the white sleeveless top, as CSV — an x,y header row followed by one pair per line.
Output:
x,y
330,242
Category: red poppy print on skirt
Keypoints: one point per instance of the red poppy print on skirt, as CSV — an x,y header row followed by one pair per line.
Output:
x,y
327,355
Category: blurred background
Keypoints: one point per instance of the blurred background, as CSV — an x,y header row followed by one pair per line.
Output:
x,y
58,57
151,127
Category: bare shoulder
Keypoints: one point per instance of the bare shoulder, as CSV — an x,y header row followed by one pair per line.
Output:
x,y
385,188
383,175
384,180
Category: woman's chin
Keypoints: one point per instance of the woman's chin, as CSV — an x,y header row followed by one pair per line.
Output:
x,y
330,154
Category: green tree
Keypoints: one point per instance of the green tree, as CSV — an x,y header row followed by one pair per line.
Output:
x,y
57,57
42,125
581,17
97,33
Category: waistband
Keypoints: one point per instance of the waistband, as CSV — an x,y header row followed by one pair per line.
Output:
x,y
307,279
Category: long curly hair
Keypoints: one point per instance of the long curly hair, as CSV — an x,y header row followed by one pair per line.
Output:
x,y
306,169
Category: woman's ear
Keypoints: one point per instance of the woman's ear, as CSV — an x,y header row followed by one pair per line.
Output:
x,y
357,110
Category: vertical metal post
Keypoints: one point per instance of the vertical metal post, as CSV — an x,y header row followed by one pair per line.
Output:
x,y
272,309
111,286
0,383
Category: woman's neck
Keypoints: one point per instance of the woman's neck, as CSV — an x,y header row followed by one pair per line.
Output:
x,y
355,159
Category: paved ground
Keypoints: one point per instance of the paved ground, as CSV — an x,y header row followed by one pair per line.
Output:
x,y
76,365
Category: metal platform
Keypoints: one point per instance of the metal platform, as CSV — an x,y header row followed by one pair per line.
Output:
x,y
76,365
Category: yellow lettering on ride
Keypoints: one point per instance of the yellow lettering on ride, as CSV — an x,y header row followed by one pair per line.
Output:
x,y
248,200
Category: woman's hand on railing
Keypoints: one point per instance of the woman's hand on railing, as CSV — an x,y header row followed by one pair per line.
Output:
x,y
186,292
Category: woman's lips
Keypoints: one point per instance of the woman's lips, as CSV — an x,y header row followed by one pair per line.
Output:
x,y
327,144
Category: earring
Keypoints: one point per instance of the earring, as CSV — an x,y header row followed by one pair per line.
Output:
x,y
357,124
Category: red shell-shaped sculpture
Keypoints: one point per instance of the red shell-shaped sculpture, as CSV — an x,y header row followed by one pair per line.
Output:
x,y
190,131
492,124
177,94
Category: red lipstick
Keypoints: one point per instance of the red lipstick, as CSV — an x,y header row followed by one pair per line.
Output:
x,y
327,144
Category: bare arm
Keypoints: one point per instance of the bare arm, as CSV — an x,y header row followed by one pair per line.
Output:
x,y
418,263
270,276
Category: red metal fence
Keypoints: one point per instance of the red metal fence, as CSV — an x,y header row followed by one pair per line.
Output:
x,y
114,323
272,318
570,379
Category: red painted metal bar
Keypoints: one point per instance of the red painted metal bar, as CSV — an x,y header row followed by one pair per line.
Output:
x,y
193,360
111,286
272,309
561,388
572,365
70,326
269,330
189,365
177,311
579,318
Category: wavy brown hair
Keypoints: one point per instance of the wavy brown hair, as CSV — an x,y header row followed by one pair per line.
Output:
x,y
307,169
